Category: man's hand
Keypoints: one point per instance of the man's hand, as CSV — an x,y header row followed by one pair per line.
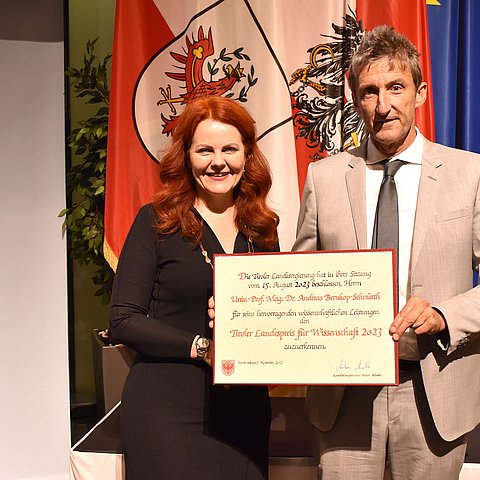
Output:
x,y
418,315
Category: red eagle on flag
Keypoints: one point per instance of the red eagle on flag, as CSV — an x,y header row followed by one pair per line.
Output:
x,y
192,74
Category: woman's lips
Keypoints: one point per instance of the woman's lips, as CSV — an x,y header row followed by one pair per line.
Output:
x,y
218,175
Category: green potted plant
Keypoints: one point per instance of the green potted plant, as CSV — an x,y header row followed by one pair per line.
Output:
x,y
86,178
84,218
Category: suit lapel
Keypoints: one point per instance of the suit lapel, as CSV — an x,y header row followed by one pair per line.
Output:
x,y
355,180
427,198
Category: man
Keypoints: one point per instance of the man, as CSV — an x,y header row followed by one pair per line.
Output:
x,y
421,424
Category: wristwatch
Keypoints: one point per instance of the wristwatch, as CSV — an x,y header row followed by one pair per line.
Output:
x,y
202,345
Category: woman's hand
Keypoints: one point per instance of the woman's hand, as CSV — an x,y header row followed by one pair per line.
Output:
x,y
211,311
208,358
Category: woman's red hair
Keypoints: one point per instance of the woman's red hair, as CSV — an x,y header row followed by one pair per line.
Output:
x,y
173,203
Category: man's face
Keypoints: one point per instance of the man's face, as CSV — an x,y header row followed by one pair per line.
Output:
x,y
386,99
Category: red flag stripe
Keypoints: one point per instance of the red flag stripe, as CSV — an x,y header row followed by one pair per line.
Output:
x,y
140,31
410,18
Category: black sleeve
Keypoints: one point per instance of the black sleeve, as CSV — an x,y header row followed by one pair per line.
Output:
x,y
134,281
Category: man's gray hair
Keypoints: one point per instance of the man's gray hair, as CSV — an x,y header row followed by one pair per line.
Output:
x,y
383,42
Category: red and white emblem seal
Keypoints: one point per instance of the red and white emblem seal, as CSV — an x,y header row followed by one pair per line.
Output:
x,y
228,367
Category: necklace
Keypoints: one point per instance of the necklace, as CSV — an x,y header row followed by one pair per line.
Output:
x,y
205,255
208,260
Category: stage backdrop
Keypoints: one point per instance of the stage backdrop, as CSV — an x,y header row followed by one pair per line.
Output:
x,y
454,42
285,61
34,403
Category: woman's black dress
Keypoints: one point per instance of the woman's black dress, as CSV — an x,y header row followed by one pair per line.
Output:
x,y
175,424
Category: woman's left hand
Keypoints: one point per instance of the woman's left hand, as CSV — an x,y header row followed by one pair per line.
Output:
x,y
211,311
208,358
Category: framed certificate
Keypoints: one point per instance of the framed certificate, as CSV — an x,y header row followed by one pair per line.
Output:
x,y
305,318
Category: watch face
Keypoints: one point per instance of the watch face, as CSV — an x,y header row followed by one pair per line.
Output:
x,y
203,344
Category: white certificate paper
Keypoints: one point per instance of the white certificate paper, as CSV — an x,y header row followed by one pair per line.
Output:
x,y
305,318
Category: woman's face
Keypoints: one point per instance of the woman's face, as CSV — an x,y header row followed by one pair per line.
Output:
x,y
217,159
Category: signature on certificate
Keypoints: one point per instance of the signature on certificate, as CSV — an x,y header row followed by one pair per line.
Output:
x,y
356,365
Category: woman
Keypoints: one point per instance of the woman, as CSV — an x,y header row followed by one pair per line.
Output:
x,y
175,423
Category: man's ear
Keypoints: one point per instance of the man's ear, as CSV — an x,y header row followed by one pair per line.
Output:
x,y
421,96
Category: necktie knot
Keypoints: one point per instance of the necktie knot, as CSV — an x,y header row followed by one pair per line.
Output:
x,y
390,168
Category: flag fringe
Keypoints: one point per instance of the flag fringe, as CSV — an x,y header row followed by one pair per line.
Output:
x,y
110,256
